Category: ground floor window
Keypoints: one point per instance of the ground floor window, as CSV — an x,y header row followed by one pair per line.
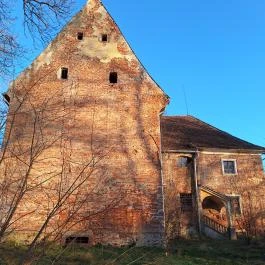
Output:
x,y
186,202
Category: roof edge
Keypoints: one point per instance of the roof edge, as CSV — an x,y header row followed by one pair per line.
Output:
x,y
260,149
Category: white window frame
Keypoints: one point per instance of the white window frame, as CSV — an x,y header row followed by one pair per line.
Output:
x,y
230,160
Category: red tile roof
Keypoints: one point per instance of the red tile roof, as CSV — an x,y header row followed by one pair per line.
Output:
x,y
190,133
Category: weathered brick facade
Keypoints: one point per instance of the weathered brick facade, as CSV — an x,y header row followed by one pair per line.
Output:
x,y
83,144
222,204
248,183
86,118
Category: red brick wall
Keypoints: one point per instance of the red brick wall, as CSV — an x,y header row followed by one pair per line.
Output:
x,y
90,119
249,183
177,180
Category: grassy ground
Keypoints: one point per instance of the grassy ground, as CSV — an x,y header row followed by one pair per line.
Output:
x,y
183,253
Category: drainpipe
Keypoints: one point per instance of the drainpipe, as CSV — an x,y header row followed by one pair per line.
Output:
x,y
162,183
198,203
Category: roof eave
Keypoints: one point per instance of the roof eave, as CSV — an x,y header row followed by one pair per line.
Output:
x,y
216,150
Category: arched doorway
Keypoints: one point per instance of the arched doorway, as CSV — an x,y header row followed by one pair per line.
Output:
x,y
215,209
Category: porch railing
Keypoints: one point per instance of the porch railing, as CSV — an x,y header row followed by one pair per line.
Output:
x,y
221,229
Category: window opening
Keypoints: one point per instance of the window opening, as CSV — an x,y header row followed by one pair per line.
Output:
x,y
113,77
104,37
7,98
64,73
77,240
80,35
183,161
186,202
229,167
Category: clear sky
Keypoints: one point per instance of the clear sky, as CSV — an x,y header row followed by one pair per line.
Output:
x,y
214,50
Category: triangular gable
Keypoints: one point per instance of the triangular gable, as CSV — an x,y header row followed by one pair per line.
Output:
x,y
94,19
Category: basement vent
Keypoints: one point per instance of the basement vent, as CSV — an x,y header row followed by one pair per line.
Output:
x,y
64,73
76,240
113,77
104,37
80,35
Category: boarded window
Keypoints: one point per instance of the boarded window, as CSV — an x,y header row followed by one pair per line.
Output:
x,y
183,161
104,37
77,240
186,202
64,73
80,35
229,166
113,77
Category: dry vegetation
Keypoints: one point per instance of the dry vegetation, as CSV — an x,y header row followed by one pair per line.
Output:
x,y
183,253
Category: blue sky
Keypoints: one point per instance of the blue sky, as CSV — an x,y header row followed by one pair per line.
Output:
x,y
213,50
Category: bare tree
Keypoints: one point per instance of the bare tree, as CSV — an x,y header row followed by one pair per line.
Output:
x,y
42,19
43,175
9,47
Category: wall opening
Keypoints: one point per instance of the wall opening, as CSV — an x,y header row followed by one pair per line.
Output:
x,y
104,37
183,161
186,202
80,35
77,240
113,77
6,98
64,73
212,202
214,208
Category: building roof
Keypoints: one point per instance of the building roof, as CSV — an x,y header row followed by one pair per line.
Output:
x,y
189,133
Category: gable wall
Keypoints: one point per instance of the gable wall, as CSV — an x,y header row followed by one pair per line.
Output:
x,y
88,119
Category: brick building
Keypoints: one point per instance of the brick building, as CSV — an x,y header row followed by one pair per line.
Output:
x,y
214,182
84,129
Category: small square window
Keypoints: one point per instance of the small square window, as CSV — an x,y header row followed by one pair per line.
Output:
x,y
80,35
113,77
64,73
186,202
229,167
104,37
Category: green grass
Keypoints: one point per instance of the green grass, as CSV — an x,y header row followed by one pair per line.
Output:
x,y
181,253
